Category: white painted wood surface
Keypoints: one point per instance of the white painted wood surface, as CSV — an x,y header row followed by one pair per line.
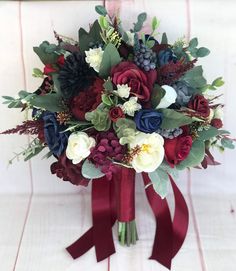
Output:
x,y
40,215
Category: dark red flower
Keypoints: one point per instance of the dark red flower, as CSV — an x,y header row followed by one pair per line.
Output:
x,y
116,113
217,123
200,104
48,69
69,172
87,100
61,60
141,83
177,149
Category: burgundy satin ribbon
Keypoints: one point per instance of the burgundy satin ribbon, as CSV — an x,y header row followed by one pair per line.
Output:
x,y
104,217
169,235
126,195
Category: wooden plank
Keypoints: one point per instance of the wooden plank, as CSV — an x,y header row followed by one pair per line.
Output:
x,y
54,223
13,211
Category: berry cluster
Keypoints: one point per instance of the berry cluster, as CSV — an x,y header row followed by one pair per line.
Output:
x,y
145,58
170,133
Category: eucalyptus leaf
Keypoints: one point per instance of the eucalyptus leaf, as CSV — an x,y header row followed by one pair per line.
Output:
x,y
218,82
160,182
101,10
193,43
194,77
202,52
51,102
173,119
210,133
110,58
227,143
195,157
157,94
89,170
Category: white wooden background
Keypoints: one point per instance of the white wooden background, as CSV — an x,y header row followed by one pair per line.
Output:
x,y
40,215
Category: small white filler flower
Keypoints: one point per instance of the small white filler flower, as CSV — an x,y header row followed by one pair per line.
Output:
x,y
131,106
123,91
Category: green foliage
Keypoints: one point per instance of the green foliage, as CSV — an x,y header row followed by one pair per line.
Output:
x,y
92,36
24,97
108,86
160,181
78,125
197,52
99,118
155,23
194,77
33,148
218,82
173,119
103,22
51,102
101,10
210,133
157,94
164,39
109,99
139,24
110,58
37,73
227,143
195,156
89,170
125,130
48,53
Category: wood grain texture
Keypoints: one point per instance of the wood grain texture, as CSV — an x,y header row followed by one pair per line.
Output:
x,y
34,233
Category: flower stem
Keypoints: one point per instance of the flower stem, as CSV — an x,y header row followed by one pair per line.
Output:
x,y
127,233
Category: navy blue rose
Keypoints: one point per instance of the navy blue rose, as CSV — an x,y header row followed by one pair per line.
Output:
x,y
54,137
148,120
166,56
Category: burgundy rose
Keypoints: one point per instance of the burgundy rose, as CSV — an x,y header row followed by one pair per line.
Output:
x,y
217,123
200,105
87,100
64,169
49,68
116,113
177,149
141,83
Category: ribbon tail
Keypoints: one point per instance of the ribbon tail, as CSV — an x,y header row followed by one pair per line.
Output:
x,y
102,228
162,246
181,219
104,217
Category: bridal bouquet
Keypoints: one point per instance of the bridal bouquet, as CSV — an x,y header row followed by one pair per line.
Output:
x,y
115,103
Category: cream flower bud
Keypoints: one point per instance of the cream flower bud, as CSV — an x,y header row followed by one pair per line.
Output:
x,y
151,152
79,145
94,58
169,97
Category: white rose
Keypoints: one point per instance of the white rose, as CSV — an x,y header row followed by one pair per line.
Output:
x,y
151,154
169,98
218,112
94,58
79,145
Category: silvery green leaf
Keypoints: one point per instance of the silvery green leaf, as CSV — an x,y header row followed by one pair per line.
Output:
x,y
89,170
160,182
